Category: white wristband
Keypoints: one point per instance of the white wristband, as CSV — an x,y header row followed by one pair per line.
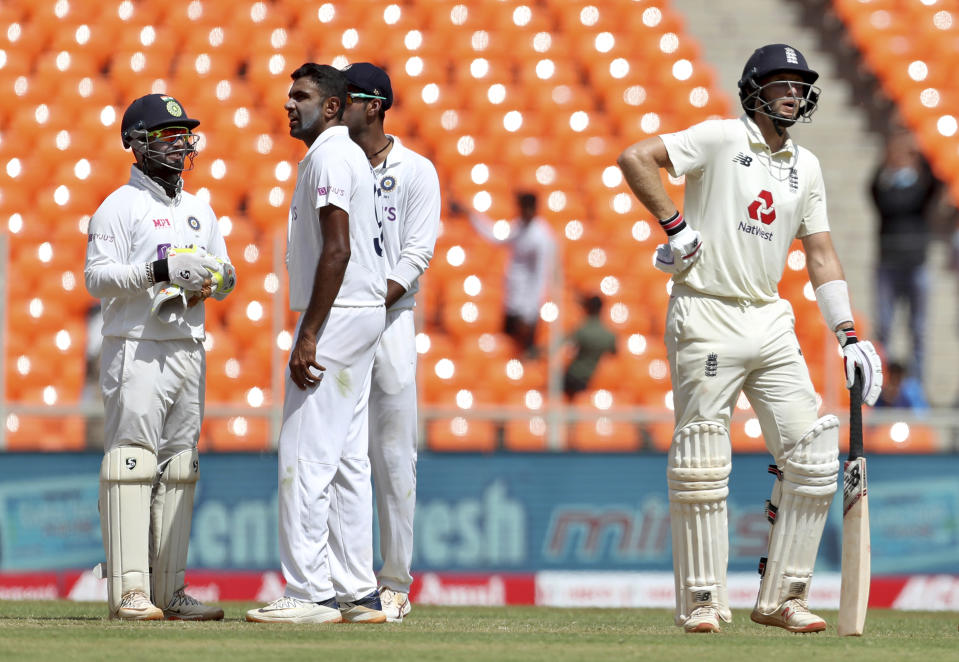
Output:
x,y
833,300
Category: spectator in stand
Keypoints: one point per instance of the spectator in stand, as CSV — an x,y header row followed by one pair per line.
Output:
x,y
591,340
901,390
532,256
904,190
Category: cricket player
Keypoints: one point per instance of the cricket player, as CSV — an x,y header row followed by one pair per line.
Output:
x,y
154,254
408,197
337,274
749,191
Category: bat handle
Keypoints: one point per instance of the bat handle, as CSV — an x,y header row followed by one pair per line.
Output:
x,y
855,417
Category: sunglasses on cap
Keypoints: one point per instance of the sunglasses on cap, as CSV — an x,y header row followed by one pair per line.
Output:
x,y
169,134
362,95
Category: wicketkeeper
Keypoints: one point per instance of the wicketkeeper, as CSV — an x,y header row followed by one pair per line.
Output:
x,y
154,254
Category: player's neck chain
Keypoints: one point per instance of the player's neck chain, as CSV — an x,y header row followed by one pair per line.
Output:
x,y
389,141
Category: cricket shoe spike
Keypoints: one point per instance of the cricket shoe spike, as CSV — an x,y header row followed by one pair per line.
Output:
x,y
792,615
703,619
185,607
396,605
293,610
367,609
136,606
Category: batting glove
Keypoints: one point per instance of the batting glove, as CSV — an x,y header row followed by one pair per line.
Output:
x,y
224,279
861,355
665,261
683,240
190,267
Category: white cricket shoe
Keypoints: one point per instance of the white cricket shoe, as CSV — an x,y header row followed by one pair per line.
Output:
x,y
703,619
792,615
367,609
293,610
185,607
396,604
136,606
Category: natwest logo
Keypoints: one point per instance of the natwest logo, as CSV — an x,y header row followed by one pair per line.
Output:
x,y
761,209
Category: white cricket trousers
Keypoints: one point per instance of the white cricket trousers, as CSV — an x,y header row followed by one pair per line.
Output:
x,y
153,394
393,436
720,347
325,496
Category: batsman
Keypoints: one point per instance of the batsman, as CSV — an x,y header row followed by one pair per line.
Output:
x,y
750,190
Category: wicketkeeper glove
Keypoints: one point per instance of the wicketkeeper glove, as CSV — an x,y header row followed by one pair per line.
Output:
x,y
861,355
224,279
187,267
169,304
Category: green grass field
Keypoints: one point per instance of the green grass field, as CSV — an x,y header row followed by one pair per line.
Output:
x,y
62,631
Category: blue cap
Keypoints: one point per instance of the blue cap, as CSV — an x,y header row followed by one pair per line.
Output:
x,y
370,79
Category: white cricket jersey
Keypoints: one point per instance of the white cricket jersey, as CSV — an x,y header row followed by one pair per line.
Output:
x,y
747,202
408,197
335,171
136,224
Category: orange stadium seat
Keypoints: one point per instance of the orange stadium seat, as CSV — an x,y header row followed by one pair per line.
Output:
x,y
461,434
235,434
526,434
605,435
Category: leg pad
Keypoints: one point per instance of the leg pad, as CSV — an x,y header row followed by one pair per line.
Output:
x,y
127,474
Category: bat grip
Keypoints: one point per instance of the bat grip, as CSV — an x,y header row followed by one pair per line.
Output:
x,y
855,417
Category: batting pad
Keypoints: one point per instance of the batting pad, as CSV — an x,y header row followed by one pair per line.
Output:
x,y
126,483
808,484
698,475
172,515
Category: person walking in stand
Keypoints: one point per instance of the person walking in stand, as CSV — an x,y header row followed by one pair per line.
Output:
x,y
408,197
750,190
154,254
531,263
337,283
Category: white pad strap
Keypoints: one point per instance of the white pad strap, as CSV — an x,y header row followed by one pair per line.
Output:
x,y
172,516
698,474
808,483
127,474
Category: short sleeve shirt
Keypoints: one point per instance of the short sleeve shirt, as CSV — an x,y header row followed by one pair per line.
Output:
x,y
748,203
335,171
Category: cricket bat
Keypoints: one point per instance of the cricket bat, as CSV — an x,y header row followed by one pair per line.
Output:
x,y
854,594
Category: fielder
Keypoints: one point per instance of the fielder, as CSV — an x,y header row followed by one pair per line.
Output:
x,y
154,253
749,191
408,197
338,284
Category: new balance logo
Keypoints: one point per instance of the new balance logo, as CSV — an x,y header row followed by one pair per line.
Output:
x,y
793,179
712,364
742,159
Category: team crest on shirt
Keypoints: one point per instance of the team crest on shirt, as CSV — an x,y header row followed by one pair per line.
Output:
x,y
388,183
194,223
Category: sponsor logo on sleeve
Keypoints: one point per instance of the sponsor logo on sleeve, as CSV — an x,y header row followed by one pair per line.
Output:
x,y
97,236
